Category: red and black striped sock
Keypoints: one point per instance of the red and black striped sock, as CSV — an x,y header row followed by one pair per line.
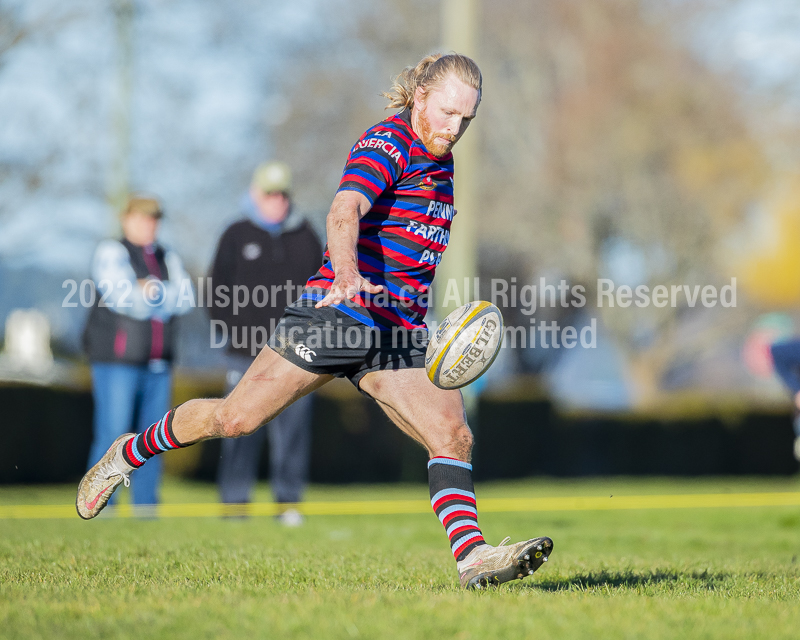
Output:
x,y
157,438
453,501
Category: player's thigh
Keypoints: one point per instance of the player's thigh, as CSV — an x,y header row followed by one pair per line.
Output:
x,y
268,386
433,416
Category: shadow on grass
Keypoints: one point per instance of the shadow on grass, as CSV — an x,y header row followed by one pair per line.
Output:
x,y
633,579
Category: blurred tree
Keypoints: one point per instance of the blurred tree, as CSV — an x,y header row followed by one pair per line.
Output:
x,y
18,25
600,133
14,29
333,91
614,136
12,32
767,250
605,141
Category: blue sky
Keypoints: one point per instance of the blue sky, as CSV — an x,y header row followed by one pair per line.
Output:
x,y
758,38
204,77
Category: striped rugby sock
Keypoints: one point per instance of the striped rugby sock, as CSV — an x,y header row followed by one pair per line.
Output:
x,y
453,501
157,438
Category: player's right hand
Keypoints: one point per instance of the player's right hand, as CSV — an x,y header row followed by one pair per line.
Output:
x,y
347,284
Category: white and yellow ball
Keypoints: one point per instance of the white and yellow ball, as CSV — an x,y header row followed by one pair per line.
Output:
x,y
464,346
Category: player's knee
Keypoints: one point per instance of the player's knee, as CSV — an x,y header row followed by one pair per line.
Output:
x,y
462,441
231,424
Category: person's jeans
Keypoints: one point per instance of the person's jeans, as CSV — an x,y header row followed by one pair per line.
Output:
x,y
130,398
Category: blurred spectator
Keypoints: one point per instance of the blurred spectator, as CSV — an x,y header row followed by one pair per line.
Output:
x,y
276,250
130,335
786,358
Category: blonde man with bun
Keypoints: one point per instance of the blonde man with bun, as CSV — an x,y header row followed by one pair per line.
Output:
x,y
130,335
387,229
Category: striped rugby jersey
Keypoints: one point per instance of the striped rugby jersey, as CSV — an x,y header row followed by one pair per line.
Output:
x,y
402,237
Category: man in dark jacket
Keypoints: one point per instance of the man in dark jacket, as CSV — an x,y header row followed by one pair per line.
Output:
x,y
263,261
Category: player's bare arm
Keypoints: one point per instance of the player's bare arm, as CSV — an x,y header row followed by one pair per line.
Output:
x,y
342,225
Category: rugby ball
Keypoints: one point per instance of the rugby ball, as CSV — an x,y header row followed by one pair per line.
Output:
x,y
464,346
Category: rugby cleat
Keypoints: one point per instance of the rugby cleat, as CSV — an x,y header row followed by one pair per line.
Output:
x,y
103,479
487,565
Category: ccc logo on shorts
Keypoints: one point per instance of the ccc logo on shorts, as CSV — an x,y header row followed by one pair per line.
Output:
x,y
304,352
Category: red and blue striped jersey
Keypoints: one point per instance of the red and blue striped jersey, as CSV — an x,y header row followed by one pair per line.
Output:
x,y
402,237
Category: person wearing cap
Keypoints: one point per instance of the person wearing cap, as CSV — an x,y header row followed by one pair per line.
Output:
x,y
273,250
130,335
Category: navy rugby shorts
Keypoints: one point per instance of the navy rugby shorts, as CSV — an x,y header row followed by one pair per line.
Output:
x,y
328,341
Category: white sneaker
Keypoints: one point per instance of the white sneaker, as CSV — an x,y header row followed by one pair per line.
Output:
x,y
291,518
487,565
102,479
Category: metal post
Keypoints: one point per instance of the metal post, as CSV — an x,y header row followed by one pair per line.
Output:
x,y
119,178
459,267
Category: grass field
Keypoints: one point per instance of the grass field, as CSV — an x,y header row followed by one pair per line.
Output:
x,y
728,572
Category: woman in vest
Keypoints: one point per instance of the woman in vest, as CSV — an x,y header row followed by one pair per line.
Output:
x,y
130,335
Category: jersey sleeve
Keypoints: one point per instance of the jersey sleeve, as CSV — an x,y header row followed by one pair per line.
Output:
x,y
376,162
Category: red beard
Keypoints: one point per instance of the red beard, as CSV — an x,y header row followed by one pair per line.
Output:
x,y
428,137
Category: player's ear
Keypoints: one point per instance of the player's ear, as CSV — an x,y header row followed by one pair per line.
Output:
x,y
419,98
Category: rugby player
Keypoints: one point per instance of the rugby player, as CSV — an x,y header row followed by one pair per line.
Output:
x,y
387,228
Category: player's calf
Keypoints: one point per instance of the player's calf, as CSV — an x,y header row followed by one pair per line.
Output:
x,y
156,439
453,501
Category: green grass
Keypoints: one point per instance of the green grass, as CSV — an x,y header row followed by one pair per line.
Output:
x,y
716,573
